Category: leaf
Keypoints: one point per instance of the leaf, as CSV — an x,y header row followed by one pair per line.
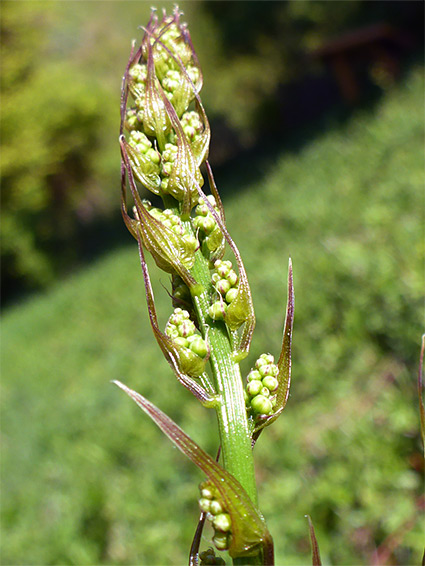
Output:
x,y
249,530
156,120
284,363
171,252
314,545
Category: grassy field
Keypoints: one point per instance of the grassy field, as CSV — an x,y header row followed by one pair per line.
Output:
x,y
87,479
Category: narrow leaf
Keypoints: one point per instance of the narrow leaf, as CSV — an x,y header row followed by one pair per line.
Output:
x,y
314,545
249,530
284,363
171,252
167,346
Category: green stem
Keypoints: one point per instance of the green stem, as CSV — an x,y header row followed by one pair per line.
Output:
x,y
231,413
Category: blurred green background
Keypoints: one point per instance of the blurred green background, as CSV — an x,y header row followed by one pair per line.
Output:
x,y
332,177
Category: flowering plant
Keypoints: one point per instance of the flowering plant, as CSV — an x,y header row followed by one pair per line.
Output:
x,y
164,140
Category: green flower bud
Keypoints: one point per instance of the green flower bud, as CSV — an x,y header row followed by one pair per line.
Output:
x,y
265,392
217,310
207,490
215,278
190,363
153,155
144,168
204,504
172,332
222,522
222,268
240,308
212,201
261,405
231,295
181,341
222,286
179,316
202,210
254,374
137,76
271,383
254,387
215,507
131,120
138,73
171,81
232,278
206,223
221,541
192,125
264,359
199,347
215,239
268,369
186,328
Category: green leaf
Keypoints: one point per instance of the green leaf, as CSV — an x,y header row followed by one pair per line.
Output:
x,y
156,120
284,362
172,253
249,530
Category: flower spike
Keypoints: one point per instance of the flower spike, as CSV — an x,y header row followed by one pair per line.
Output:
x,y
249,531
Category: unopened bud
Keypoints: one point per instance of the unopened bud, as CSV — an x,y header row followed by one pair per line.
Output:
x,y
217,310
261,405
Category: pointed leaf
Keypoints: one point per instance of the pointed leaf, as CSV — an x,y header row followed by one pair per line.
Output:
x,y
145,171
156,120
200,146
167,346
314,545
249,531
284,362
171,252
185,172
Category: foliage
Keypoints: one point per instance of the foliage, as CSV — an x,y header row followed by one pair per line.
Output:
x,y
50,122
348,451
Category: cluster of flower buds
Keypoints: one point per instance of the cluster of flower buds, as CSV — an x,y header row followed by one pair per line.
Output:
x,y
183,333
211,503
225,281
172,221
209,558
209,232
168,140
262,383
